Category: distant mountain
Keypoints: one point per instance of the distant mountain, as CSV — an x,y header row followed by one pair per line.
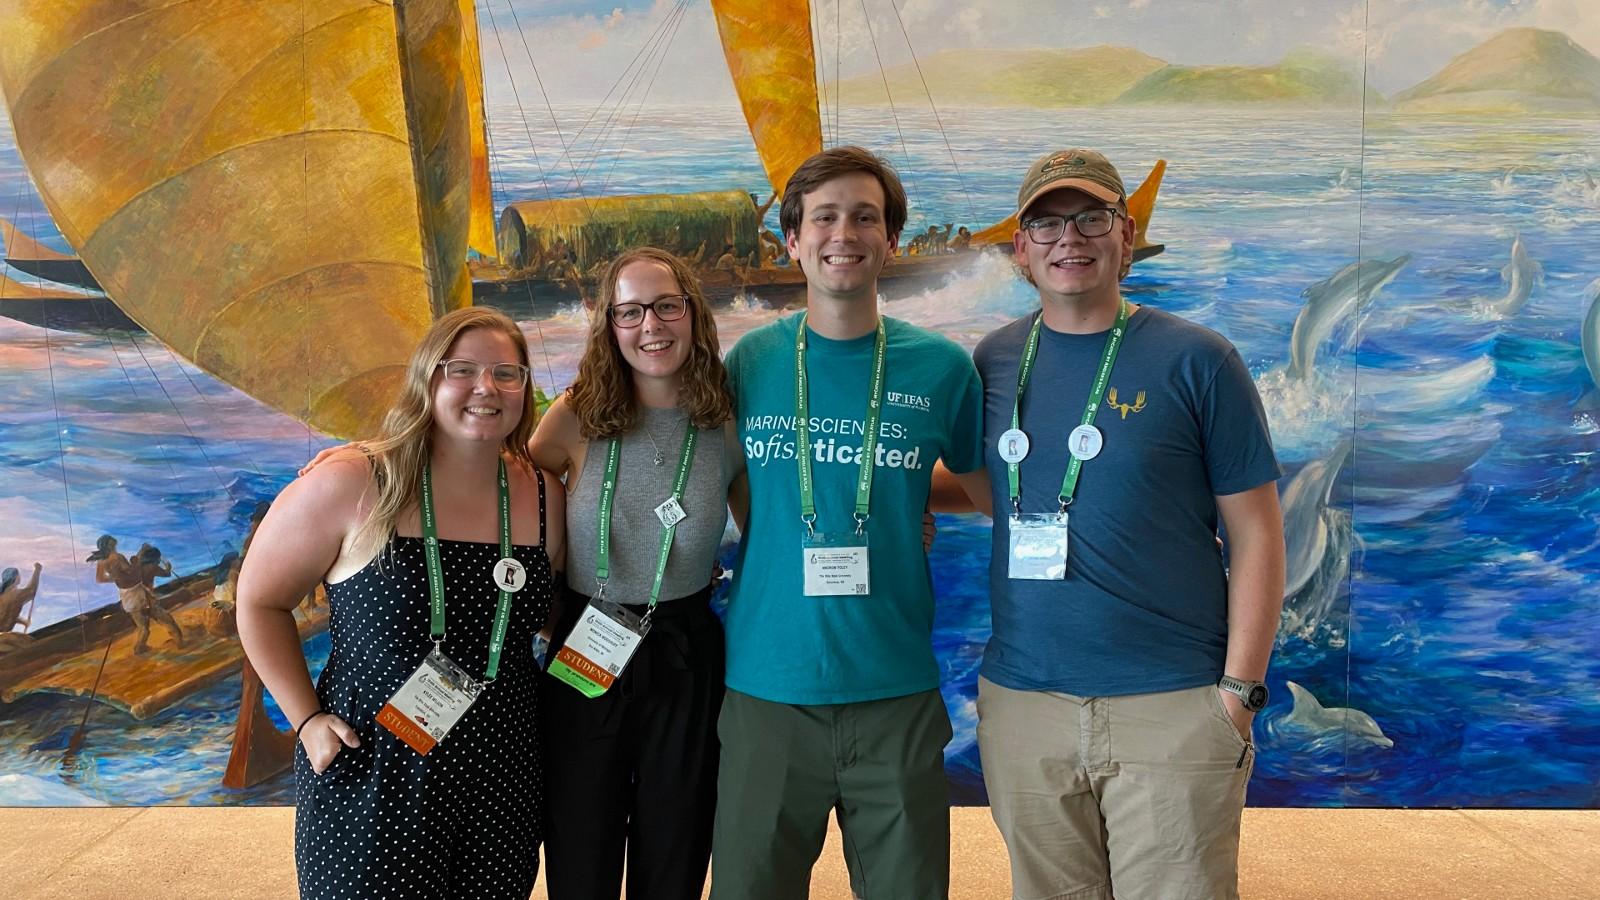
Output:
x,y
1519,70
1302,78
1045,78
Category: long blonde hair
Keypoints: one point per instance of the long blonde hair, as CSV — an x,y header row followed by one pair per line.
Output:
x,y
602,397
405,443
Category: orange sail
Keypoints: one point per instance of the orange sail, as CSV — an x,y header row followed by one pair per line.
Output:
x,y
1141,206
20,246
768,47
267,186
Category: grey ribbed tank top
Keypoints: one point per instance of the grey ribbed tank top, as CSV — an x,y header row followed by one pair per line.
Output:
x,y
635,530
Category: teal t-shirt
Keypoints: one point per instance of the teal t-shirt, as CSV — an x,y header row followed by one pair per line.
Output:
x,y
786,647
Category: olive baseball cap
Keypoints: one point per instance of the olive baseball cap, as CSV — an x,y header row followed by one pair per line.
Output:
x,y
1080,170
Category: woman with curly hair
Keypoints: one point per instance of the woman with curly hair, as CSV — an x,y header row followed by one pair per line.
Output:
x,y
417,771
645,439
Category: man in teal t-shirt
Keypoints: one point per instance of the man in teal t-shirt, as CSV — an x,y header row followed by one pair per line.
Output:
x,y
833,693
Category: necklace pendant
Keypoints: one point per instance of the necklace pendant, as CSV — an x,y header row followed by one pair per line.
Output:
x,y
659,459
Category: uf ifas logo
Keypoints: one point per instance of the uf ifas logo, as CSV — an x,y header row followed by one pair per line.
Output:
x,y
1136,406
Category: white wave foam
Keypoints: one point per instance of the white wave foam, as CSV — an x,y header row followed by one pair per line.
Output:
x,y
964,722
966,305
32,790
1306,416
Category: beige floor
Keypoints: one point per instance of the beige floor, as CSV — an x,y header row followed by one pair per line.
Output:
x,y
1288,854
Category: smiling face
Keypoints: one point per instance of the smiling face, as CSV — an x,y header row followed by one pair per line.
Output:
x,y
1074,269
478,411
843,240
653,349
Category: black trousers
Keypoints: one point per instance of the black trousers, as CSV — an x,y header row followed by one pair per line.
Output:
x,y
635,770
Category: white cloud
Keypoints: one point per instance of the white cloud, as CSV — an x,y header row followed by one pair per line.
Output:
x,y
581,56
1401,41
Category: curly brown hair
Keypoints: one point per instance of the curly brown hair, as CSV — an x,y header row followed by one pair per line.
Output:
x,y
602,395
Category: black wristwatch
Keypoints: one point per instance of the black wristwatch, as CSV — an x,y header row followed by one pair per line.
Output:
x,y
1253,694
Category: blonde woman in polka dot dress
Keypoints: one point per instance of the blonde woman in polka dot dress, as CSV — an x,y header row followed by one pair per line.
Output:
x,y
374,817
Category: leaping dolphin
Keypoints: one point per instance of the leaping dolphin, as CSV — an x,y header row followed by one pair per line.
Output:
x,y
1329,301
1305,527
1590,339
1309,713
1519,275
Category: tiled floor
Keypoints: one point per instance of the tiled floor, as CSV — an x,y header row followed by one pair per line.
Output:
x,y
1289,854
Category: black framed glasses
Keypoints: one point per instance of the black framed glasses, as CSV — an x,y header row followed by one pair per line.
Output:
x,y
670,308
1090,223
509,377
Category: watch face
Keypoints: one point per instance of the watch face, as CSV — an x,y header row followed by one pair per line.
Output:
x,y
1257,699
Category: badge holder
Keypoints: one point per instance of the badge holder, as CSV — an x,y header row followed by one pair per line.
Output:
x,y
430,703
1038,546
835,565
600,646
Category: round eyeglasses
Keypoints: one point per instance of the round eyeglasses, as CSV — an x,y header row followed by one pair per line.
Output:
x,y
1090,223
508,377
631,315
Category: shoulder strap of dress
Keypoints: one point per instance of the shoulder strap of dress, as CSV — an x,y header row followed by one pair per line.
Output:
x,y
538,474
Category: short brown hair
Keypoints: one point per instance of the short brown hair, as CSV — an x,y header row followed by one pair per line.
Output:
x,y
830,164
601,397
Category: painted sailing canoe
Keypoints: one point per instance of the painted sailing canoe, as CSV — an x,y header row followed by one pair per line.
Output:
x,y
271,188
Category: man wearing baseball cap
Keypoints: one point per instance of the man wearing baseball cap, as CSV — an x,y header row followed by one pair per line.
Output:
x,y
1118,688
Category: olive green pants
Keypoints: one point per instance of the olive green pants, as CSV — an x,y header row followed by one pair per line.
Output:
x,y
878,766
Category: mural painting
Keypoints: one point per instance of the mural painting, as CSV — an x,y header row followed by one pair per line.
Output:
x,y
225,224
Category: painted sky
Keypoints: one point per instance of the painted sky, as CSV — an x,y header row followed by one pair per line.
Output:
x,y
581,47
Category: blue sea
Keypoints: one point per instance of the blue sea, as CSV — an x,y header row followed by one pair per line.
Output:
x,y
1443,634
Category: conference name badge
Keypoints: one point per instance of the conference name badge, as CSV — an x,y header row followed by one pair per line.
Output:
x,y
599,647
671,512
1038,546
430,703
834,565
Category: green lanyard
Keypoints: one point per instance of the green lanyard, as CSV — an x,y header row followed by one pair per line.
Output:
x,y
430,549
608,491
802,427
1108,358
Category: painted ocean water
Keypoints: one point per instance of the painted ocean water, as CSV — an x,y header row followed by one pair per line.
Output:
x,y
1444,561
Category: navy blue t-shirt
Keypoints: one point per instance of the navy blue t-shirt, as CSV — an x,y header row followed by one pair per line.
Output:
x,y
1144,606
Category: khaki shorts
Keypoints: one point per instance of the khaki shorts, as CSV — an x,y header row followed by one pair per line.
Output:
x,y
1138,796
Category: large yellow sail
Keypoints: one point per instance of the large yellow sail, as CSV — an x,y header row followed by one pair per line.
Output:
x,y
480,232
267,186
768,47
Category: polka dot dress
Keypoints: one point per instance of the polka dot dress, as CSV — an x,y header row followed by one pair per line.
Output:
x,y
463,821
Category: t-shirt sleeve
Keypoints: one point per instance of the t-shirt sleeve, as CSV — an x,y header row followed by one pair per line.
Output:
x,y
1238,444
731,362
964,448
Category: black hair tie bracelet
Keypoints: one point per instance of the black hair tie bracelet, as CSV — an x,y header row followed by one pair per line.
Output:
x,y
307,720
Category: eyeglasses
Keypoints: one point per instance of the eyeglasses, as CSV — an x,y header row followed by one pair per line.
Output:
x,y
1090,222
631,315
508,377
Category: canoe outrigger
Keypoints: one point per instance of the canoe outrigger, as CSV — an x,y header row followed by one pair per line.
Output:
x,y
65,657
